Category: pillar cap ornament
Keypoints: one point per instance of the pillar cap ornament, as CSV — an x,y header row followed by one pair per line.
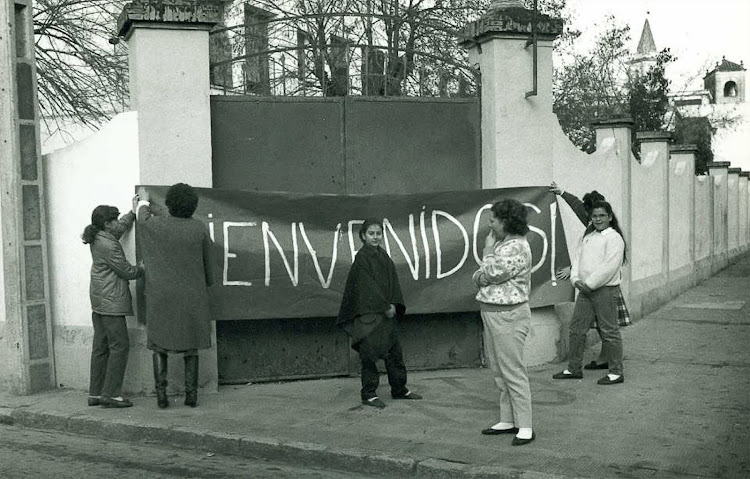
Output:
x,y
202,14
653,136
509,18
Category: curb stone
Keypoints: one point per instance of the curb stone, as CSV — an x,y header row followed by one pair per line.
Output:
x,y
260,447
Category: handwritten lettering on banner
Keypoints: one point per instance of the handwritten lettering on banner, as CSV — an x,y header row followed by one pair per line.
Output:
x,y
287,255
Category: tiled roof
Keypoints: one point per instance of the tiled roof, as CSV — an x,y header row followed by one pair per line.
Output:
x,y
727,66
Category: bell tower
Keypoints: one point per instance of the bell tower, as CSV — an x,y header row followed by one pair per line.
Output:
x,y
726,82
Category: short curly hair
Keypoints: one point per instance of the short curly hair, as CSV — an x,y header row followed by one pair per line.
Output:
x,y
513,215
181,200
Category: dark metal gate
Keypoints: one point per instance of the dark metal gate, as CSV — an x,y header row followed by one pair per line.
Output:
x,y
342,145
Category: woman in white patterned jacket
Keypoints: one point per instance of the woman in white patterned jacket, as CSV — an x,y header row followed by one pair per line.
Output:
x,y
504,282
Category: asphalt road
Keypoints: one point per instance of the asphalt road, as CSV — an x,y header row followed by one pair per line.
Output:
x,y
29,453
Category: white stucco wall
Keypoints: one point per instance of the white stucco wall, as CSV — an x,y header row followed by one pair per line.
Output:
x,y
102,169
704,216
605,171
681,174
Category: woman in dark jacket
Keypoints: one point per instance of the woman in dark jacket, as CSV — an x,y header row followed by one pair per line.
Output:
x,y
177,250
370,309
110,303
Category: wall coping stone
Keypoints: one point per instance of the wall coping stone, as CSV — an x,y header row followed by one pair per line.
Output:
x,y
718,164
509,20
735,170
613,122
683,148
745,174
171,14
654,136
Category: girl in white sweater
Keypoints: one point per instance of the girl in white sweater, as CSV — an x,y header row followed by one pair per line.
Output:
x,y
596,274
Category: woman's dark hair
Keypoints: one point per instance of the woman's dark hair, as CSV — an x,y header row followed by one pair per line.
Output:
x,y
181,200
613,223
99,216
513,215
591,198
369,222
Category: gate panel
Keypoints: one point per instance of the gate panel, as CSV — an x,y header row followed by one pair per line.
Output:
x,y
337,145
271,144
412,145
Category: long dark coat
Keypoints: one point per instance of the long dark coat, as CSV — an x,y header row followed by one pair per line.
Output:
x,y
179,270
371,287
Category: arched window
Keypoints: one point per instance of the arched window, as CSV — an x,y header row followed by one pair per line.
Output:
x,y
730,88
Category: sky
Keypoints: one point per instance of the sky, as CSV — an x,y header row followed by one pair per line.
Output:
x,y
698,32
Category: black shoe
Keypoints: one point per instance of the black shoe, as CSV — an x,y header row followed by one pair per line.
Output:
x,y
374,402
517,441
94,401
605,380
594,365
116,403
408,395
562,375
494,432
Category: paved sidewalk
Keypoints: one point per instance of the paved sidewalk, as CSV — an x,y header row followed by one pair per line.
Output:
x,y
683,411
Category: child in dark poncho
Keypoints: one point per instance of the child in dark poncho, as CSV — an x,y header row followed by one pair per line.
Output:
x,y
370,309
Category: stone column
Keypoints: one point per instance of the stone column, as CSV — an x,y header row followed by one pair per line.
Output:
x,y
26,353
719,172
517,129
169,87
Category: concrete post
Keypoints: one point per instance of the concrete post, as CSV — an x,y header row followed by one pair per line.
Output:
x,y
169,87
719,172
681,218
744,175
650,222
170,91
517,130
733,212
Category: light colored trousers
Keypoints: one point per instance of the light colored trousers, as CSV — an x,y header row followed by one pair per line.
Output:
x,y
505,332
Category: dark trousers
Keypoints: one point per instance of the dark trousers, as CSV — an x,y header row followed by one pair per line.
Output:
x,y
382,343
109,355
602,305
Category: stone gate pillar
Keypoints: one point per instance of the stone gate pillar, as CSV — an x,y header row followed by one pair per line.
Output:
x,y
170,91
517,129
169,87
